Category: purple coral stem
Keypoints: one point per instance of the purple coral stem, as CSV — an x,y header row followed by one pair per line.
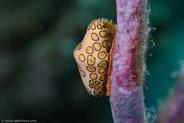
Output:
x,y
172,110
128,67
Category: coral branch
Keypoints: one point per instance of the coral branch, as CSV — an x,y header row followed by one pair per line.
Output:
x,y
128,67
172,110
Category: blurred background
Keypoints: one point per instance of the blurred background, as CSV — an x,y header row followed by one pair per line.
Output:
x,y
39,78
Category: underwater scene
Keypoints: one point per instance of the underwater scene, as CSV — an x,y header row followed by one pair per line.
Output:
x,y
40,80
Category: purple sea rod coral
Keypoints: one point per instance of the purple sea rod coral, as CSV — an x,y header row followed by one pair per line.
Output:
x,y
172,110
128,67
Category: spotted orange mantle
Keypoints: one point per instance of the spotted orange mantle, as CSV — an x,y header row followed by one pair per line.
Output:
x,y
94,56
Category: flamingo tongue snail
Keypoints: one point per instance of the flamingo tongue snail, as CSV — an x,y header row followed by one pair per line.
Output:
x,y
94,56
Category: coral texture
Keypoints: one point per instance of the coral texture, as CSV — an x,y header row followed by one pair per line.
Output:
x,y
128,67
